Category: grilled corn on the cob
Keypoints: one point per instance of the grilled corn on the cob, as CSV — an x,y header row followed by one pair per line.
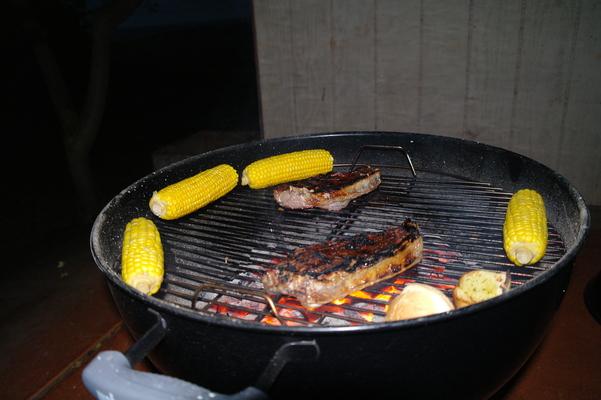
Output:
x,y
195,192
287,167
142,256
525,228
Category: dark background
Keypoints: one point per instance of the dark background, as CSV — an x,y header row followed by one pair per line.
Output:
x,y
179,69
176,68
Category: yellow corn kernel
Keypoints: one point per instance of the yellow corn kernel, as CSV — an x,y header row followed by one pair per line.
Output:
x,y
525,229
195,192
287,167
142,256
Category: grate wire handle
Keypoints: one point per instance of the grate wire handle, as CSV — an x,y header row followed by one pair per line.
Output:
x,y
384,147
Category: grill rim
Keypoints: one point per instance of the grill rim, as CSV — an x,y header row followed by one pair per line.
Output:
x,y
224,321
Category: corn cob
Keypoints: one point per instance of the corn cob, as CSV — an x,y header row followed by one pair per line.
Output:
x,y
525,228
195,192
142,256
287,167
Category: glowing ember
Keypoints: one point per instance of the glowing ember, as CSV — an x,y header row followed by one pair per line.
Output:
x,y
295,310
402,281
369,317
269,320
358,308
391,289
331,309
443,286
235,307
287,300
290,313
388,289
350,310
224,310
383,297
360,294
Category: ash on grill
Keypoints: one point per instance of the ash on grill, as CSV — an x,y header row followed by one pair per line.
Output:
x,y
220,302
244,299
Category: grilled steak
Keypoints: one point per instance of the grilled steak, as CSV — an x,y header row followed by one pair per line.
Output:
x,y
332,191
320,273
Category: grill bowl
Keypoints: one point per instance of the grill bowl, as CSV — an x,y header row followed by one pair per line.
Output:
x,y
425,357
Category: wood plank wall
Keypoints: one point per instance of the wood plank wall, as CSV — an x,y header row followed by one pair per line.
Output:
x,y
520,74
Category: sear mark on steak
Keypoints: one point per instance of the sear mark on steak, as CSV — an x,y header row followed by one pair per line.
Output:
x,y
332,191
323,272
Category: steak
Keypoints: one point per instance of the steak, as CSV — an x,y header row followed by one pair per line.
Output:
x,y
322,272
332,191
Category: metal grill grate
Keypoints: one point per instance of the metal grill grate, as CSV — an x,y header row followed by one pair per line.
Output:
x,y
212,254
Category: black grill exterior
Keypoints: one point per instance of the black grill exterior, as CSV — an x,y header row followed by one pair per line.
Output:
x,y
458,197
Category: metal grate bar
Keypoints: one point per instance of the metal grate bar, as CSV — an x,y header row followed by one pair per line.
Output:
x,y
234,240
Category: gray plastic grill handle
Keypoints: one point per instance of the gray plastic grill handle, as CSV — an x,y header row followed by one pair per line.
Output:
x,y
110,377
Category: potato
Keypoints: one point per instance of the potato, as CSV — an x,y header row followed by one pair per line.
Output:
x,y
418,300
480,285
